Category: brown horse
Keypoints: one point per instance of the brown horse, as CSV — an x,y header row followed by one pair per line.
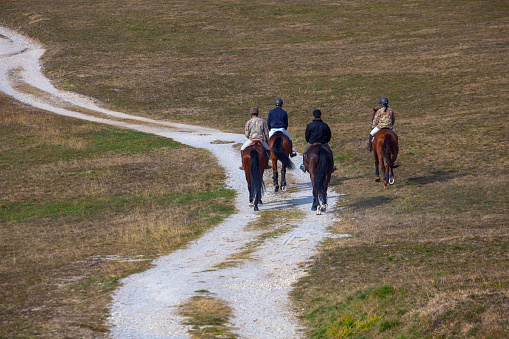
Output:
x,y
319,162
385,149
255,160
280,149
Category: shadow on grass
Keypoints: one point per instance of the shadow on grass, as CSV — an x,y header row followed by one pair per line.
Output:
x,y
337,180
435,176
369,203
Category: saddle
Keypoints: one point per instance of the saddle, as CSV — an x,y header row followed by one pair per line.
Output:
x,y
317,143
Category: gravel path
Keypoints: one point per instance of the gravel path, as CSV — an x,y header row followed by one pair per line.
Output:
x,y
145,306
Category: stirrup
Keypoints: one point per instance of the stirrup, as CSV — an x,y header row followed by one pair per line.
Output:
x,y
293,154
303,168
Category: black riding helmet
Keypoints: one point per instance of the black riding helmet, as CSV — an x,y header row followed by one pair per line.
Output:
x,y
384,101
279,102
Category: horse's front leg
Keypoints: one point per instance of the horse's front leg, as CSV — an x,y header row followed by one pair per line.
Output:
x,y
283,178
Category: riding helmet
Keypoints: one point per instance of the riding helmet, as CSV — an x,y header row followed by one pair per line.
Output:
x,y
279,102
384,101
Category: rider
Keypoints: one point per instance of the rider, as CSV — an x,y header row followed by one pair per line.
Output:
x,y
278,121
382,118
317,131
255,130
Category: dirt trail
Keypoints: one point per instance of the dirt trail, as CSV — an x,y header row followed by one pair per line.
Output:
x,y
145,306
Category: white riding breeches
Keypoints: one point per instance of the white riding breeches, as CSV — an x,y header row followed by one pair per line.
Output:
x,y
249,142
376,129
274,130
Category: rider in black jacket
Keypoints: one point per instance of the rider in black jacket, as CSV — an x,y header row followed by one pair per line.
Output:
x,y
317,131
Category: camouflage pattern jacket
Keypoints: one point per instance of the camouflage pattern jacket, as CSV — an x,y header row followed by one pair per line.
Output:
x,y
256,129
383,119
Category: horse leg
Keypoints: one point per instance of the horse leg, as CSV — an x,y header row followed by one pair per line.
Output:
x,y
377,172
393,158
315,203
275,177
283,178
386,175
250,194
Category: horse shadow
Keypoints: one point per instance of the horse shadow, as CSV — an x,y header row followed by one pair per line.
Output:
x,y
435,176
369,203
337,181
284,203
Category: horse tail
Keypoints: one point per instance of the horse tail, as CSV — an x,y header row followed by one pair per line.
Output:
x,y
321,174
278,150
257,184
387,150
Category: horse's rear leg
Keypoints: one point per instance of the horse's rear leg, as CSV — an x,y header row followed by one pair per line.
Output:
x,y
377,172
283,178
275,178
386,175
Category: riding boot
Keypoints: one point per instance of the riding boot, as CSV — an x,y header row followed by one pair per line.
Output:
x,y
241,166
293,153
370,148
302,167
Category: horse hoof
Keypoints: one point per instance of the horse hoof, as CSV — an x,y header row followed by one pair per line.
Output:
x,y
391,181
377,179
276,189
251,204
323,208
283,188
313,208
256,208
318,211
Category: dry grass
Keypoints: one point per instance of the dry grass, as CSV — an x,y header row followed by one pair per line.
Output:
x,y
428,257
208,316
83,205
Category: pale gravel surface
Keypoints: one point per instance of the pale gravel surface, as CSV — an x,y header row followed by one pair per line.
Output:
x,y
257,289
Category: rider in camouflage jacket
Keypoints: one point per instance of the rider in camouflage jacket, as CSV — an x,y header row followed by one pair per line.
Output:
x,y
382,118
255,130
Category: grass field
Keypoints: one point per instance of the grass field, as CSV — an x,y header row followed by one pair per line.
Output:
x,y
428,257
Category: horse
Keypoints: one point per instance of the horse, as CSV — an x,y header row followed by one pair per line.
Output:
x,y
319,162
255,160
280,149
385,150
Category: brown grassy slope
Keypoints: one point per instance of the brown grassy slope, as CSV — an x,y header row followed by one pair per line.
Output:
x,y
82,205
442,65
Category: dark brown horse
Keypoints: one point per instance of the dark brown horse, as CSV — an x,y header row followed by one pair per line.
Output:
x,y
385,149
280,149
255,160
319,162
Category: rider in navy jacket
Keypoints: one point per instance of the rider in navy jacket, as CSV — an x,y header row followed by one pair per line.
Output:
x,y
278,118
278,121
